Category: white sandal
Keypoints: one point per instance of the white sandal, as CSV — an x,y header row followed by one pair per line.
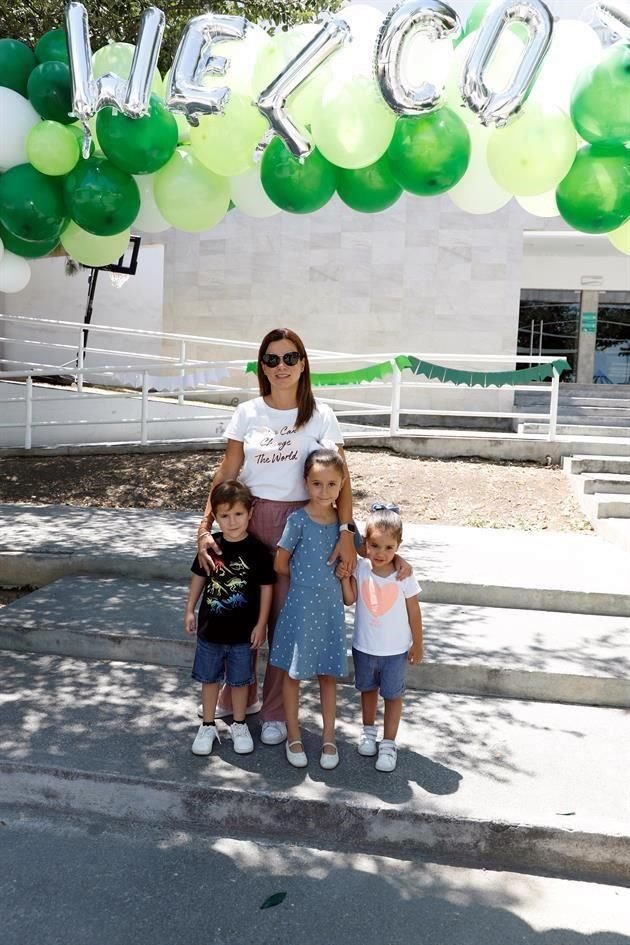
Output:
x,y
296,758
329,761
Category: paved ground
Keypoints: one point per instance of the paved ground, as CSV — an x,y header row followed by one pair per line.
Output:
x,y
91,881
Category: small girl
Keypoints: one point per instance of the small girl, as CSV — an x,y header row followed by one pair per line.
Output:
x,y
310,637
387,631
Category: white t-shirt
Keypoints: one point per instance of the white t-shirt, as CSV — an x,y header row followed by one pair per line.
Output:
x,y
381,624
275,450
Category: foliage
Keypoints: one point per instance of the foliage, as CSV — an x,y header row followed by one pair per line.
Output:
x,y
118,21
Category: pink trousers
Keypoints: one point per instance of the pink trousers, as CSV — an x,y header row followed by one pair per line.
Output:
x,y
267,524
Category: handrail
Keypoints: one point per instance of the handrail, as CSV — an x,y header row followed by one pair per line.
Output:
x,y
139,373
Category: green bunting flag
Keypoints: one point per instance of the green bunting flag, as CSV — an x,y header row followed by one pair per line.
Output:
x,y
435,372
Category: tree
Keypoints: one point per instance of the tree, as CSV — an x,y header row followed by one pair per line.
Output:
x,y
118,21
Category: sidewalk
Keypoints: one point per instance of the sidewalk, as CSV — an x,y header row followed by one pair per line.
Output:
x,y
478,779
494,782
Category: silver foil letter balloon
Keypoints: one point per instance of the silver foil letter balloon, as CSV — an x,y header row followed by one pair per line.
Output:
x,y
497,106
131,95
272,101
430,16
194,59
615,15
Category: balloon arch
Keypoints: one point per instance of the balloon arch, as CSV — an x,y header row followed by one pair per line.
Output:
x,y
510,104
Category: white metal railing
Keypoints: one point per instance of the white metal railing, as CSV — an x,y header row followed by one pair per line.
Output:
x,y
127,375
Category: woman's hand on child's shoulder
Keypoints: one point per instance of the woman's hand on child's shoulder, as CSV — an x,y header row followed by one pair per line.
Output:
x,y
403,568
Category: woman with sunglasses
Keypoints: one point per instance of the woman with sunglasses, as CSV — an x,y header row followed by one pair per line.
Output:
x,y
268,440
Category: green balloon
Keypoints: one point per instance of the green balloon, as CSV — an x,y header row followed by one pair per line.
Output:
x,y
52,47
100,197
294,186
52,148
430,154
477,16
27,248
138,145
600,102
78,131
17,62
594,197
50,91
31,204
369,189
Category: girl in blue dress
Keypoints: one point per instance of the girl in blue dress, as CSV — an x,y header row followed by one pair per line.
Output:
x,y
310,637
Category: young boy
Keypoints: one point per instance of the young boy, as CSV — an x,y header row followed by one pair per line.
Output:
x,y
232,623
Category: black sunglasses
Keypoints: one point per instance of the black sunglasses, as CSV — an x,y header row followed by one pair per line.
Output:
x,y
291,358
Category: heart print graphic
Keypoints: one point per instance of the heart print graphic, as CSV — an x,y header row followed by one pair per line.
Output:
x,y
378,598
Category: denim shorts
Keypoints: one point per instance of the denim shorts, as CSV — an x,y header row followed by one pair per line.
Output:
x,y
218,662
386,673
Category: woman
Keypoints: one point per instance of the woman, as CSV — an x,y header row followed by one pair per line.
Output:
x,y
268,439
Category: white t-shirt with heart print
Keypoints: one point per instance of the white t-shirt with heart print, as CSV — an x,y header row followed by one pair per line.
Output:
x,y
381,624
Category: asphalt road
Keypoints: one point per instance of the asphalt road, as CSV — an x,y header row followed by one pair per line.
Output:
x,y
94,882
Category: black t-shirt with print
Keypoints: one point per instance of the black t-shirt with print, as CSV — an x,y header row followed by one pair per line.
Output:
x,y
230,601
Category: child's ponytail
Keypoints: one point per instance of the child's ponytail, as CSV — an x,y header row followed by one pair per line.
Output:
x,y
386,517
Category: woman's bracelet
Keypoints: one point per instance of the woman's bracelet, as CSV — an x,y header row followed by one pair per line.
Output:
x,y
202,534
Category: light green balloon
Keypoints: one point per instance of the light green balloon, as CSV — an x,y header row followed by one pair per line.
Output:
x,y
93,250
188,195
226,143
620,238
52,148
117,58
532,154
354,126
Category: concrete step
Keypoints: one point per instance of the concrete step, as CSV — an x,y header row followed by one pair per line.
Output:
x,y
588,483
521,654
596,464
162,867
571,573
577,427
487,782
612,506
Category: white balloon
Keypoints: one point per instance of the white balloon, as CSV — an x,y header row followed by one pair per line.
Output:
x,y
15,272
365,23
248,195
477,191
149,219
542,205
18,117
574,46
426,60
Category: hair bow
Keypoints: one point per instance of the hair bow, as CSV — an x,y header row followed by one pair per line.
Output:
x,y
384,507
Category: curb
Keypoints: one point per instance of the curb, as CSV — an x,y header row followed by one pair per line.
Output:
x,y
44,568
474,679
332,824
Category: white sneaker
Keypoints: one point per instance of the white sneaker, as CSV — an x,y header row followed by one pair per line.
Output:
x,y
204,740
242,741
273,733
226,713
367,741
387,756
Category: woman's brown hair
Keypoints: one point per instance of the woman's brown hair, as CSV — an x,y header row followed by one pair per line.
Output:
x,y
305,399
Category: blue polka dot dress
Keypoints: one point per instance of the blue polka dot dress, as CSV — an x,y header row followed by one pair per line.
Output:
x,y
310,636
